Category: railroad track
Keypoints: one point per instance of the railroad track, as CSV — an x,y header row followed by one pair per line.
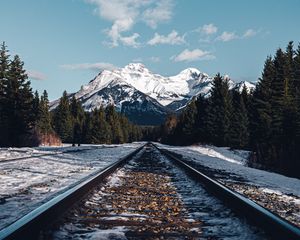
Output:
x,y
149,194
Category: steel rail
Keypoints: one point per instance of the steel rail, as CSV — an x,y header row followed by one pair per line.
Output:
x,y
29,226
270,222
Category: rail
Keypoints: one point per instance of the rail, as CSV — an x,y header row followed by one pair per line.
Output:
x,y
28,226
273,224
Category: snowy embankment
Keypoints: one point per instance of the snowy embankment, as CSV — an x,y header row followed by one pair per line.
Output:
x,y
277,192
38,174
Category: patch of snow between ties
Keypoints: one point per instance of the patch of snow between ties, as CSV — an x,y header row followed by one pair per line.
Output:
x,y
93,234
285,197
106,234
115,179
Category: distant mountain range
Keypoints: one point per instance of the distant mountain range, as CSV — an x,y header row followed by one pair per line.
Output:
x,y
145,97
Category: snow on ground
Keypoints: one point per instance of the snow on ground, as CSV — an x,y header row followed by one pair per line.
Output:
x,y
26,152
39,173
223,153
233,163
279,193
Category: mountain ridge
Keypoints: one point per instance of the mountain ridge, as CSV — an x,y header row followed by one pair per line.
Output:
x,y
135,91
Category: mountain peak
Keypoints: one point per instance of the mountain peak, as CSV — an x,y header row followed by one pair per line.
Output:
x,y
136,67
142,95
190,71
250,86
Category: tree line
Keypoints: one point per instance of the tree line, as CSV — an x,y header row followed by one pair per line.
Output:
x,y
265,121
17,114
25,117
102,125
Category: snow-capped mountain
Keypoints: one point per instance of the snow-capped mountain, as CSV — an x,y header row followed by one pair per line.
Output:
x,y
165,90
143,96
250,86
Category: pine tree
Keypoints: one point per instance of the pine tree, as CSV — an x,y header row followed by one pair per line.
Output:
x,y
4,71
87,128
44,124
200,125
297,69
63,119
114,122
101,130
287,162
218,112
168,128
246,97
297,90
289,70
239,134
297,100
289,125
78,118
36,105
261,113
186,133
277,86
19,99
125,126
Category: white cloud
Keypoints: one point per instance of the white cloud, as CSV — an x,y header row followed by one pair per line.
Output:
x,y
227,36
155,59
35,75
193,55
89,66
162,12
209,29
131,40
137,60
249,33
172,38
124,14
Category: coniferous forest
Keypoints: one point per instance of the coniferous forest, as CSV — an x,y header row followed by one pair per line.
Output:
x,y
25,118
265,121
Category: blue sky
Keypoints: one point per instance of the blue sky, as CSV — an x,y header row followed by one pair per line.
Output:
x,y
65,43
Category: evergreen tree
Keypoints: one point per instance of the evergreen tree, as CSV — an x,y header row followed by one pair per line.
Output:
x,y
114,122
239,134
44,118
36,105
289,72
261,113
274,114
87,128
201,127
101,130
63,119
269,116
277,86
18,103
289,114
186,133
4,71
125,126
289,130
246,97
168,128
218,112
297,100
78,120
297,90
297,70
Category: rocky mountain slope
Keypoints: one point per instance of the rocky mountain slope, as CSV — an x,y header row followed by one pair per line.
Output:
x,y
145,97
